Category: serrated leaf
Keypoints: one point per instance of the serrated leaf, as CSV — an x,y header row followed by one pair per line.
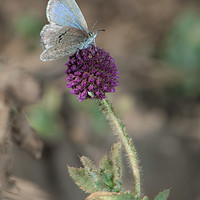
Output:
x,y
107,179
111,196
162,195
87,163
97,180
93,173
82,179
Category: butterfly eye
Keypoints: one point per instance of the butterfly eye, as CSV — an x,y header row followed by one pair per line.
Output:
x,y
91,34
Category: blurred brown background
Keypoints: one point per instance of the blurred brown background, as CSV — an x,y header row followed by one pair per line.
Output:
x,y
156,44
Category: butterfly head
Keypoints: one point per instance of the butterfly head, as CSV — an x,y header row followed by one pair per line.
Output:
x,y
91,37
93,34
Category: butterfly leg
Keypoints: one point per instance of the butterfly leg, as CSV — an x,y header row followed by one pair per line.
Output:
x,y
77,51
93,44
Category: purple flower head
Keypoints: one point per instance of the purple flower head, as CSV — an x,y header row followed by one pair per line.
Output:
x,y
91,73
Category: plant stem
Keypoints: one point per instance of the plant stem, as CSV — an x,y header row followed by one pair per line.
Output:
x,y
126,141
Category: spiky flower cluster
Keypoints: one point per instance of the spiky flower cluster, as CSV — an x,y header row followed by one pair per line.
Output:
x,y
91,73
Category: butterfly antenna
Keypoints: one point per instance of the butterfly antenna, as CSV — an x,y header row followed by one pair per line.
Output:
x,y
101,30
95,24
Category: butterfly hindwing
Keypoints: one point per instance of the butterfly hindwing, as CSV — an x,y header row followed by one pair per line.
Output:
x,y
63,42
58,51
53,34
47,33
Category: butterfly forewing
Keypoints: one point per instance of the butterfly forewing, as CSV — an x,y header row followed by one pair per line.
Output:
x,y
66,13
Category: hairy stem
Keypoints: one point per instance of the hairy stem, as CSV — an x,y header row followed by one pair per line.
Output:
x,y
126,141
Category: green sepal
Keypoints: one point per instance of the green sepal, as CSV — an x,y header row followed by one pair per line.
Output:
x,y
162,195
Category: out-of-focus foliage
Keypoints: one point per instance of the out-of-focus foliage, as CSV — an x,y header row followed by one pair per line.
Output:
x,y
44,117
28,28
28,25
182,52
98,122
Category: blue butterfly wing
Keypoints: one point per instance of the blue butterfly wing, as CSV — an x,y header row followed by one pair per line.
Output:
x,y
66,13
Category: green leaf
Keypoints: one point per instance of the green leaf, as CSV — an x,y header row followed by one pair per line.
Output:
x,y
87,163
106,164
44,116
118,186
27,25
162,195
108,180
116,159
107,174
94,174
117,165
145,198
111,196
82,179
105,179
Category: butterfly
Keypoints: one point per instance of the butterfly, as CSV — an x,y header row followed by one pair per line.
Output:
x,y
66,32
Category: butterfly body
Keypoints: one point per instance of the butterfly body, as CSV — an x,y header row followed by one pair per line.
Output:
x,y
66,32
